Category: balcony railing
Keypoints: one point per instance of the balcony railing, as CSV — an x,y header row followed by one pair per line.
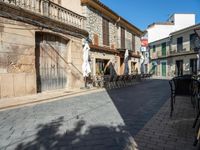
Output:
x,y
51,10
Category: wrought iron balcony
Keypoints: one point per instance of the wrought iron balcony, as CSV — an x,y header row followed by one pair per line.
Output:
x,y
49,9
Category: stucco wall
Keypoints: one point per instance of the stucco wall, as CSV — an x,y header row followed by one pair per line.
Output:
x,y
158,32
158,45
186,40
186,64
183,20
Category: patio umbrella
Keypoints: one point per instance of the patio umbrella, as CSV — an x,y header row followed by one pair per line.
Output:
x,y
126,68
86,65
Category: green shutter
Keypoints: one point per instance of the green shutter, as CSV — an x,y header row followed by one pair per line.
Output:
x,y
164,69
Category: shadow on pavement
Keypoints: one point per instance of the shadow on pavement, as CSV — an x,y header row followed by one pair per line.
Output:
x,y
136,105
94,138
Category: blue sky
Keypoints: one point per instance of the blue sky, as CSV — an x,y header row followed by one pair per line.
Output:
x,y
144,12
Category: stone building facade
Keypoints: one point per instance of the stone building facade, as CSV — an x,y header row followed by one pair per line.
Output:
x,y
40,48
104,27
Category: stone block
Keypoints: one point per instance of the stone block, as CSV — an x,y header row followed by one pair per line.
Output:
x,y
25,59
14,38
19,84
31,84
7,89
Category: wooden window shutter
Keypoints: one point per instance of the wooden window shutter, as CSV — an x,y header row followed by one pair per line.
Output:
x,y
105,32
133,42
122,38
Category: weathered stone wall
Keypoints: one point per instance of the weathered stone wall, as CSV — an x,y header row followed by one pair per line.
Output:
x,y
94,27
76,62
114,59
17,58
113,35
94,24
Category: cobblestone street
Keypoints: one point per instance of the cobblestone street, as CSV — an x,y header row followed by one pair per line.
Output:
x,y
165,133
134,117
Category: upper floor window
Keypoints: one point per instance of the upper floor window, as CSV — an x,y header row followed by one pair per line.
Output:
x,y
122,38
154,48
193,38
163,48
133,42
105,25
179,44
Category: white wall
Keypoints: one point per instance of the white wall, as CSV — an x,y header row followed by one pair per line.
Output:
x,y
183,20
160,31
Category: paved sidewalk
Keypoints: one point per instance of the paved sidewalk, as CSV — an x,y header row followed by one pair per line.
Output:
x,y
165,133
7,103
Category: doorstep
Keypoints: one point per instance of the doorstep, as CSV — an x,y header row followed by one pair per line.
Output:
x,y
10,103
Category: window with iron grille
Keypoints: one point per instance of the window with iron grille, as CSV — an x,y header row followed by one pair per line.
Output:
x,y
106,32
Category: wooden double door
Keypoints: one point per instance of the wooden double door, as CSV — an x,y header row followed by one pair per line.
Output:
x,y
50,62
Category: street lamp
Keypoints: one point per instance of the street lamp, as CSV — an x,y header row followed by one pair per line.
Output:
x,y
197,45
